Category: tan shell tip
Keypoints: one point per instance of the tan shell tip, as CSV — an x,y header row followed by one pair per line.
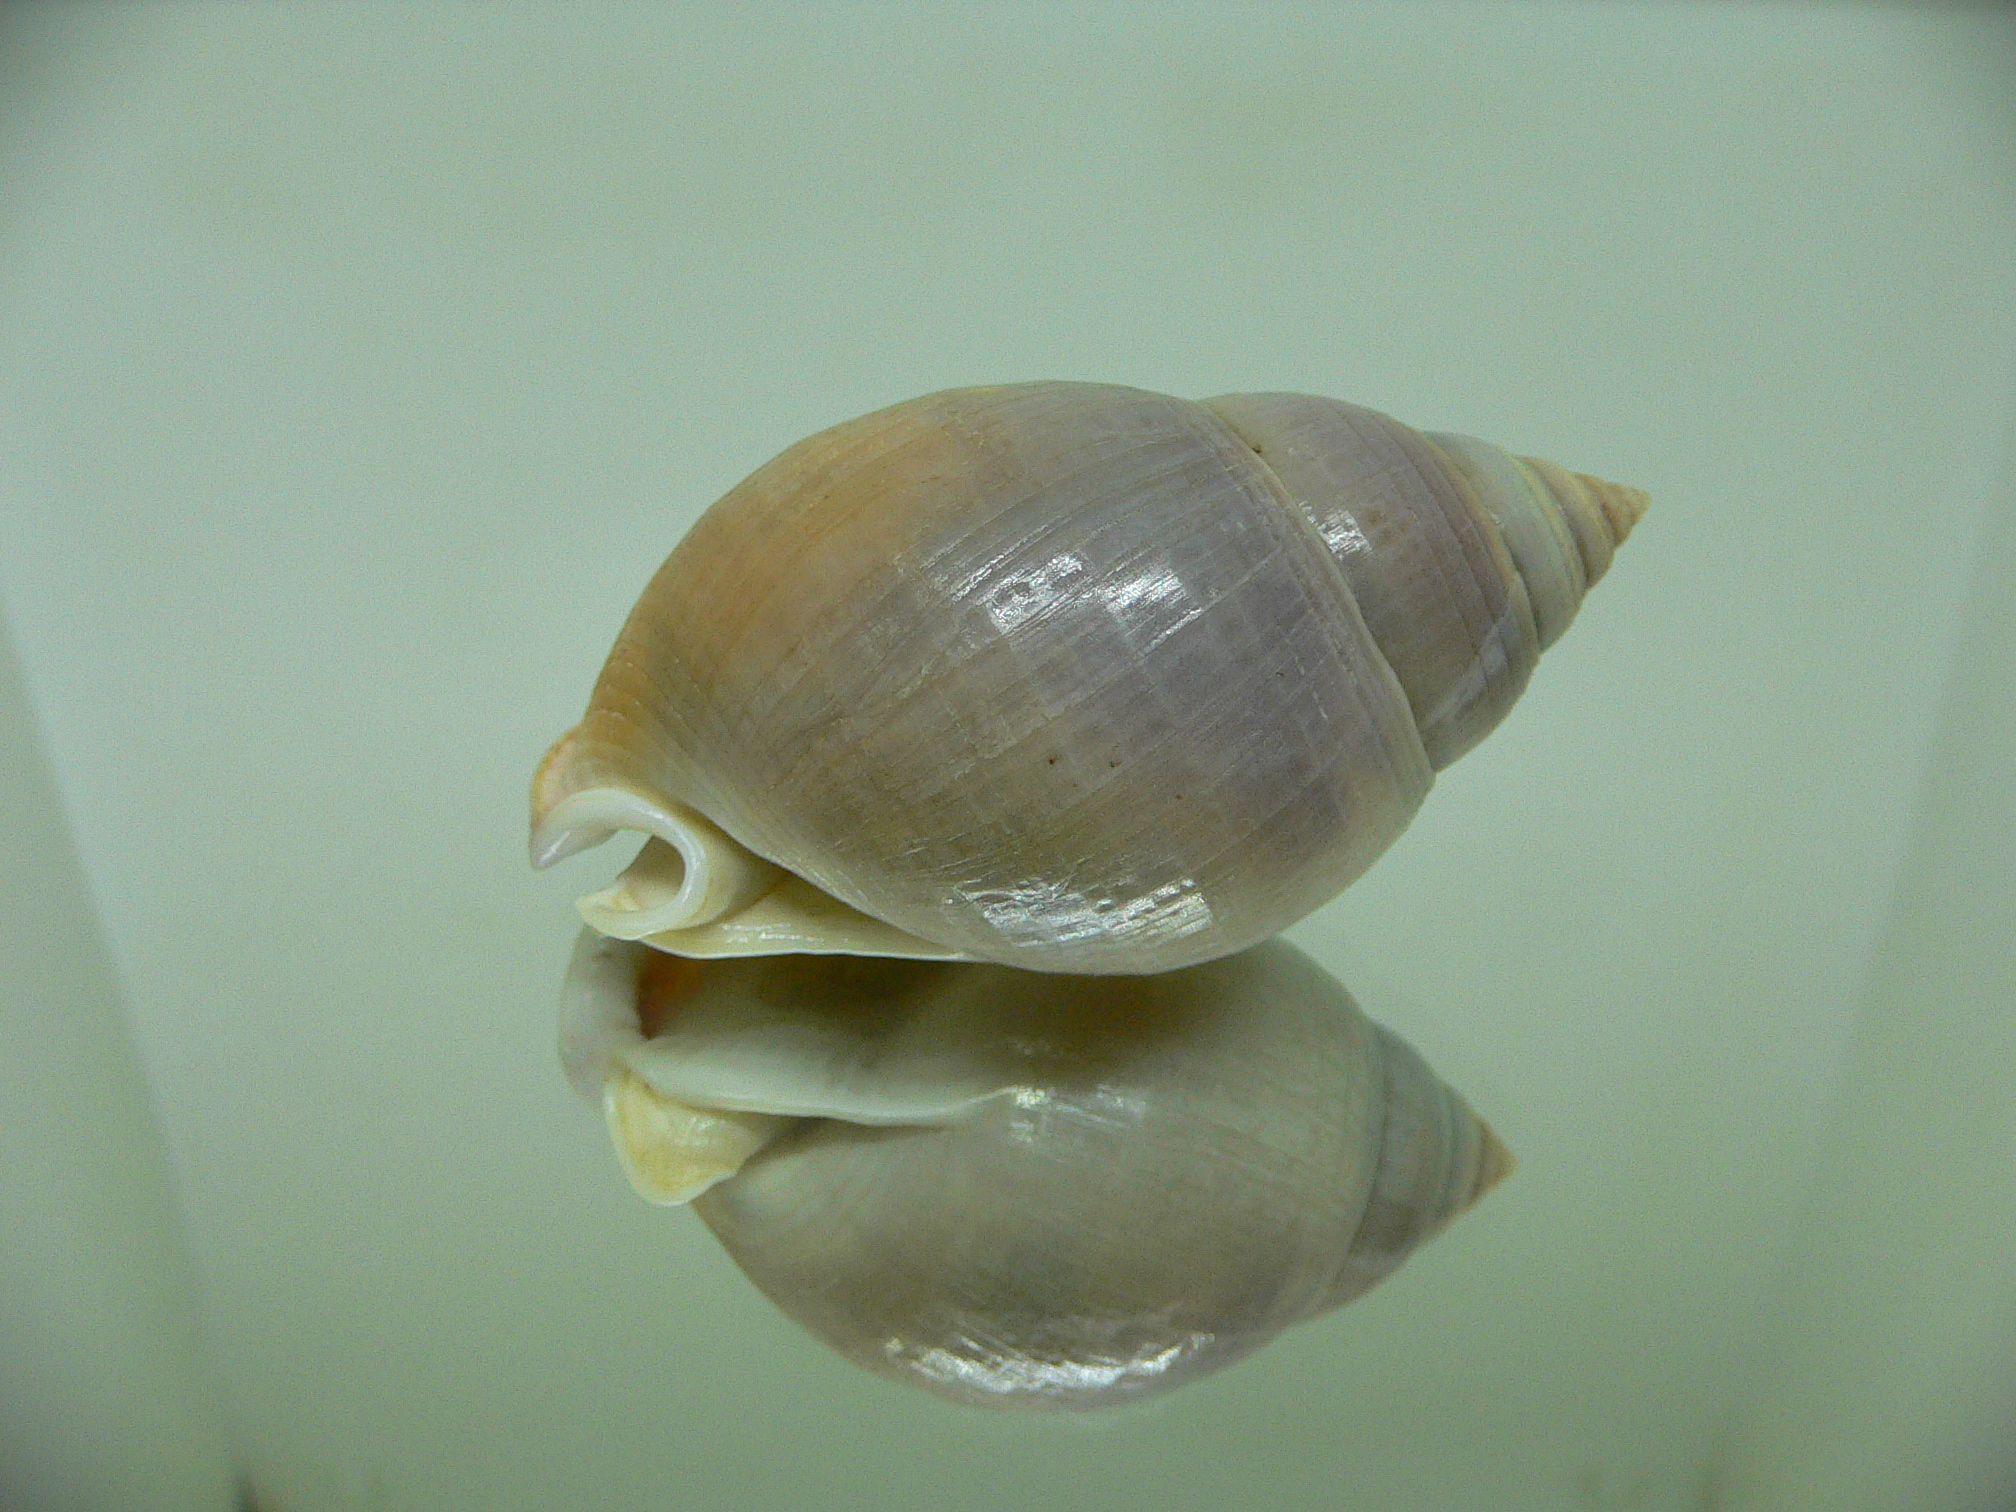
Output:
x,y
1623,507
1494,1163
1598,515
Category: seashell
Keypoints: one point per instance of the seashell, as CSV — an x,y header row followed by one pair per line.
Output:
x,y
1024,1189
1072,677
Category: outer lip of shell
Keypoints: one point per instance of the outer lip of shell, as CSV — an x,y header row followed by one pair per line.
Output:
x,y
673,1152
689,871
675,1137
694,890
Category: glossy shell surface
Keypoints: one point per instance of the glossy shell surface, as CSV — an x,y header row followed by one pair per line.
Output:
x,y
1070,676
1026,1189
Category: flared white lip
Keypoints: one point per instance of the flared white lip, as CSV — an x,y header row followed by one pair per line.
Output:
x,y
694,890
685,1111
689,872
737,1057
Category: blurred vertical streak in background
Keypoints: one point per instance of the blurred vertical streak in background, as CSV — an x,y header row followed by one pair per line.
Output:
x,y
108,1400
1888,1376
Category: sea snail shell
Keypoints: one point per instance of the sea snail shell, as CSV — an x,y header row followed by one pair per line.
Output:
x,y
1066,676
1025,1189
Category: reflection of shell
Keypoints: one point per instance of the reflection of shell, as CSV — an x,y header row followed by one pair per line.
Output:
x,y
1013,1188
1072,677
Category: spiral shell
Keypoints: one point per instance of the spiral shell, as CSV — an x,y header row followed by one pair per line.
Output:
x,y
1072,677
1023,1189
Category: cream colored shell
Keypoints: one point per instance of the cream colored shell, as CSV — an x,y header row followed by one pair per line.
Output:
x,y
1024,1189
1067,676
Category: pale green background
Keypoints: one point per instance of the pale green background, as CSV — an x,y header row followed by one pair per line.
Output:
x,y
358,364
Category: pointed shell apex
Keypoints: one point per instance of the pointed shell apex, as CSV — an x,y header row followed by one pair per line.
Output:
x,y
1623,506
1600,514
1495,1162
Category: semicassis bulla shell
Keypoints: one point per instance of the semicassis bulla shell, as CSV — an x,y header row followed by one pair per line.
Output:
x,y
1071,677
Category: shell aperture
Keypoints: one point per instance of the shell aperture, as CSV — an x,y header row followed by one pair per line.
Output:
x,y
1026,1189
1072,677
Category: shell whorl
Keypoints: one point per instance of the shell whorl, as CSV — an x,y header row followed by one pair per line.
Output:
x,y
1467,562
1026,1189
1072,677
